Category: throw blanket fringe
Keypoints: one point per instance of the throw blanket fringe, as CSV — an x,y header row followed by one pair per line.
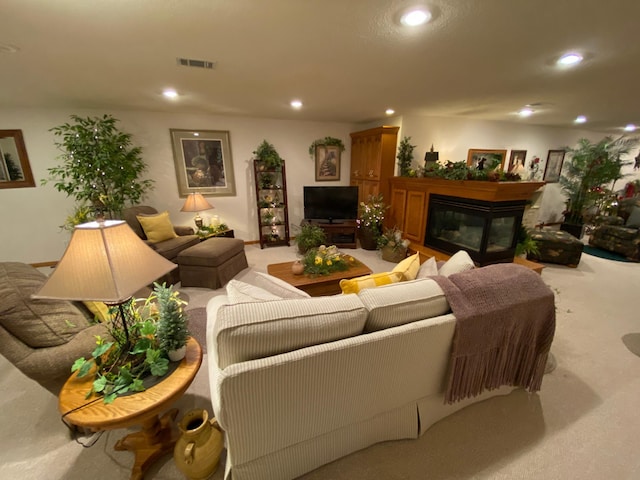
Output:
x,y
505,325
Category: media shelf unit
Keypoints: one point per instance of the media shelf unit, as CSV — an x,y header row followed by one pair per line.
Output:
x,y
342,233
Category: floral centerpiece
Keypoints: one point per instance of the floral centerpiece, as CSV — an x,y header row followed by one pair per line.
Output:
x,y
371,215
392,245
208,230
325,260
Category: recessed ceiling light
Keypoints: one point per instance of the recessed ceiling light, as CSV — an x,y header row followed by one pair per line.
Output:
x,y
389,111
415,17
169,93
525,112
630,128
580,119
296,104
196,134
569,59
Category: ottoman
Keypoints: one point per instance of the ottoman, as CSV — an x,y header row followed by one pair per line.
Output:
x,y
556,246
211,263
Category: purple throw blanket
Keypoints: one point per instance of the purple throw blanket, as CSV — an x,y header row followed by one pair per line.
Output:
x,y
505,325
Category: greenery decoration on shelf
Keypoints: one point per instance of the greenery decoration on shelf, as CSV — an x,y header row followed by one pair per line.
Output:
x,y
325,260
461,171
100,168
589,170
328,141
267,154
405,157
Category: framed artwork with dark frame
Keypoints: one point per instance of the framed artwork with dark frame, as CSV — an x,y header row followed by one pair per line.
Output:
x,y
478,157
516,161
203,162
327,162
15,171
553,167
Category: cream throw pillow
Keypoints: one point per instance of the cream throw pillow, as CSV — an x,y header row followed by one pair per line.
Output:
x,y
428,269
459,262
158,227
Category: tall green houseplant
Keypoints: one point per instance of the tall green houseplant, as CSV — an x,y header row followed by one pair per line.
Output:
x,y
405,156
590,168
99,167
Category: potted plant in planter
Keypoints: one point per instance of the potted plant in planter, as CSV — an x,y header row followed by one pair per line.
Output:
x,y
268,156
371,215
526,244
590,168
310,236
172,322
392,246
100,168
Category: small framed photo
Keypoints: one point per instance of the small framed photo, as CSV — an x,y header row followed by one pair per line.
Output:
x,y
478,158
516,161
553,167
203,162
327,162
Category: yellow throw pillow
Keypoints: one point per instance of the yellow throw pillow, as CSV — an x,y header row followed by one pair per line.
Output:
x,y
100,311
408,267
158,227
354,285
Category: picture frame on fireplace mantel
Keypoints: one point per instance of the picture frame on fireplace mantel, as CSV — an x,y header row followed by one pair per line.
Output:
x,y
478,157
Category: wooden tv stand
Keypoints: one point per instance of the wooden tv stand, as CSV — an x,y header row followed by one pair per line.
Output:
x,y
342,234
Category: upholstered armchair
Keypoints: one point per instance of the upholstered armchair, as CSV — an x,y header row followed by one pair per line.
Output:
x,y
168,241
620,234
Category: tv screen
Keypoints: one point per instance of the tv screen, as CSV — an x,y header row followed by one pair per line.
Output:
x,y
330,204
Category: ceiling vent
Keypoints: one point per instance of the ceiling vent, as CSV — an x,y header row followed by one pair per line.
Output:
x,y
190,62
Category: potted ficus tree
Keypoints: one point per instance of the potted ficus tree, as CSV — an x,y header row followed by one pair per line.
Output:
x,y
100,168
591,168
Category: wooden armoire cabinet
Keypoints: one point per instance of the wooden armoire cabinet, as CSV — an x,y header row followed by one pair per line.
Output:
x,y
373,160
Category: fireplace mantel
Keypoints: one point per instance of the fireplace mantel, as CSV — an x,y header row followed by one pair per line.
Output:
x,y
410,199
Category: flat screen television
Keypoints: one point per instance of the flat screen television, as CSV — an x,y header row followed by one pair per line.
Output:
x,y
330,204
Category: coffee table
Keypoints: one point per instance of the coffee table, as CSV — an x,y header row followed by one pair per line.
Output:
x,y
320,285
158,435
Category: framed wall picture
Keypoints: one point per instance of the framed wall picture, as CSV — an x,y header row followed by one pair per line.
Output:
x,y
516,161
15,171
203,162
553,167
479,157
327,162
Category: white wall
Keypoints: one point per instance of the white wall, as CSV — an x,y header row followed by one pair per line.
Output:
x,y
31,216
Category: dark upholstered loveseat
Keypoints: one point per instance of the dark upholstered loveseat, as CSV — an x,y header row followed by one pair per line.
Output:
x,y
622,233
42,338
169,249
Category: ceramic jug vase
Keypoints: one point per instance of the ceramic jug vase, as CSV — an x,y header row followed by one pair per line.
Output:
x,y
198,449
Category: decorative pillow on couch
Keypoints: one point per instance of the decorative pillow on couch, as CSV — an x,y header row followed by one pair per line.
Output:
x,y
458,263
157,228
428,268
278,287
354,285
408,267
634,219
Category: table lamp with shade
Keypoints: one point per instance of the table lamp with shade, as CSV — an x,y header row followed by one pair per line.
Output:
x,y
105,261
196,203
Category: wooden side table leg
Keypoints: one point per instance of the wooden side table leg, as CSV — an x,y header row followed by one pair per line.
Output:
x,y
157,437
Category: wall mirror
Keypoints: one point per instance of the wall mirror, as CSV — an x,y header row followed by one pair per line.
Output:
x,y
15,171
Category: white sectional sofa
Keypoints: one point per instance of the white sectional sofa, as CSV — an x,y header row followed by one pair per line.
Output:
x,y
298,382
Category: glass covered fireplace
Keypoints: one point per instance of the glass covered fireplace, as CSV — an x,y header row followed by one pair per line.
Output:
x,y
488,231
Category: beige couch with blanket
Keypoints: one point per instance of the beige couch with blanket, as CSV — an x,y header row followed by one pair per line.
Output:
x,y
297,382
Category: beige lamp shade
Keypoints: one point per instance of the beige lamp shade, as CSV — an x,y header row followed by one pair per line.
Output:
x,y
196,203
105,261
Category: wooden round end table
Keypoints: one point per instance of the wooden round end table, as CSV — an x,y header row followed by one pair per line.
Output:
x,y
158,435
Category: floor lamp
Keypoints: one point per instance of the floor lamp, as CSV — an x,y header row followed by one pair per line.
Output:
x,y
105,261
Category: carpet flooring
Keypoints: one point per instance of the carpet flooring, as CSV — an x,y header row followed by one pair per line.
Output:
x,y
582,424
197,326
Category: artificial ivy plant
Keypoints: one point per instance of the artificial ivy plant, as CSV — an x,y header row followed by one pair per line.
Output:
x,y
267,154
99,167
328,141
